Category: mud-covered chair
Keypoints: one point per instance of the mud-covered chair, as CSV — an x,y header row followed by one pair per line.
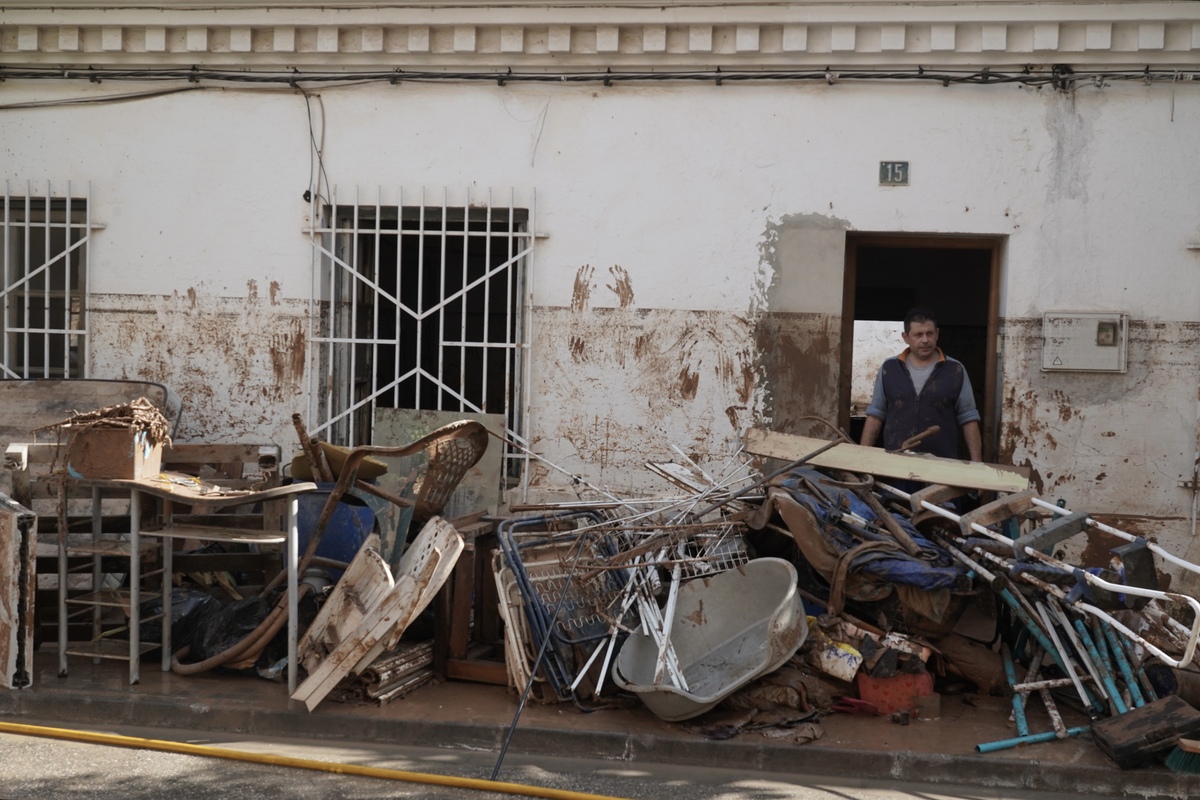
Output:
x,y
451,449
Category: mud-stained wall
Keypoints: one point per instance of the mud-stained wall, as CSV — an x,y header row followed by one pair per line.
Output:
x,y
238,364
617,383
614,387
798,327
799,360
1114,445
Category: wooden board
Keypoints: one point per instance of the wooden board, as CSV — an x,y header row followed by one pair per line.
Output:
x,y
876,461
30,404
17,591
430,559
363,586
190,490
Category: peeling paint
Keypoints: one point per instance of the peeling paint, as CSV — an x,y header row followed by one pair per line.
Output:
x,y
656,378
237,364
1113,444
798,356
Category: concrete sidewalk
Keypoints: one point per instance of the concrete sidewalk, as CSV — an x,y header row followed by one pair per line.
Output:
x,y
478,716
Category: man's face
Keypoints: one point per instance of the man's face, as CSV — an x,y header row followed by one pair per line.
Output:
x,y
922,339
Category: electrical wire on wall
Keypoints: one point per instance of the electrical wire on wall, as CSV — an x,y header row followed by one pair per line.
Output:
x,y
1058,76
316,160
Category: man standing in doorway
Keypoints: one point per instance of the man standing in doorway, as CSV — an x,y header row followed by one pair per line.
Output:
x,y
919,388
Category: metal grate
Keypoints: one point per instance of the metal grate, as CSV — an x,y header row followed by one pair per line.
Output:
x,y
420,303
44,240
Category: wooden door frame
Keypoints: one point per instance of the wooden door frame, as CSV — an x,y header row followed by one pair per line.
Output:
x,y
995,245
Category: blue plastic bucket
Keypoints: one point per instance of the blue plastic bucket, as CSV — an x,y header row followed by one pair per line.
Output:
x,y
352,522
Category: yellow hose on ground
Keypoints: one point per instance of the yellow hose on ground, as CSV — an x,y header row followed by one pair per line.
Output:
x,y
182,748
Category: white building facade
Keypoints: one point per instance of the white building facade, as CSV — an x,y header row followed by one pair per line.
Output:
x,y
624,228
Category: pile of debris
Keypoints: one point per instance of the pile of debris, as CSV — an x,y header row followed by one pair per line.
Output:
x,y
827,587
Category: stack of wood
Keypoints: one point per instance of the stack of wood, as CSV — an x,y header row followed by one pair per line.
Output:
x,y
393,675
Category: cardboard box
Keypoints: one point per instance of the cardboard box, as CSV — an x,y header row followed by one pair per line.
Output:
x,y
111,453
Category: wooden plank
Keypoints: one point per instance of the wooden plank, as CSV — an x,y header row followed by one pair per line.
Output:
x,y
424,569
477,671
18,585
376,624
209,533
30,404
189,490
876,461
449,541
198,453
460,603
364,584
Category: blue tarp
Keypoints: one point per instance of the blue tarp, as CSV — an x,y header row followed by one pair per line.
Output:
x,y
829,503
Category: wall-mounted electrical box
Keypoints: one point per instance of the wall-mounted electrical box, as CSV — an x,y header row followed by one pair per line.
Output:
x,y
1085,341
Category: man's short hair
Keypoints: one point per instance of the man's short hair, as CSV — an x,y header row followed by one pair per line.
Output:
x,y
918,314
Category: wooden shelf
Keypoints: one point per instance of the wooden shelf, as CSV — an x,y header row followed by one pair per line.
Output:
x,y
111,547
212,533
117,649
111,598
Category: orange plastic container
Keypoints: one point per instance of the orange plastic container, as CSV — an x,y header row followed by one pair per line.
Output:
x,y
898,693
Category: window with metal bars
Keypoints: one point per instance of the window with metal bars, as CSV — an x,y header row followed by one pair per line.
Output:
x,y
43,249
422,307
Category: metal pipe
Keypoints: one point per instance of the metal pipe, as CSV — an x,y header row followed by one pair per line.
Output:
x,y
1137,591
1034,738
1018,700
1120,534
1102,665
668,621
1034,627
1049,683
1064,659
1081,650
1105,633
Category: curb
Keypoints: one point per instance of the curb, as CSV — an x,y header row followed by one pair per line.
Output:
x,y
840,763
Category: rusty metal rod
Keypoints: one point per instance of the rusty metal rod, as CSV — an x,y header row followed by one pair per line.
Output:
x,y
1049,683
320,464
764,480
305,441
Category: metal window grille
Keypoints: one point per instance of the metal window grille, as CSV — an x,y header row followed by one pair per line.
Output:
x,y
421,303
44,239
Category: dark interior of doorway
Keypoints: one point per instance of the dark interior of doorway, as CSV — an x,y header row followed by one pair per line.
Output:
x,y
953,282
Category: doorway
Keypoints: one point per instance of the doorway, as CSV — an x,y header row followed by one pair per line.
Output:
x,y
957,278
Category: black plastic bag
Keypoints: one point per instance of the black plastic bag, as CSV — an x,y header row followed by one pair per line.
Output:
x,y
190,609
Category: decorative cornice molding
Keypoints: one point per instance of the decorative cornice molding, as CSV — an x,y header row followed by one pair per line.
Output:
x,y
526,36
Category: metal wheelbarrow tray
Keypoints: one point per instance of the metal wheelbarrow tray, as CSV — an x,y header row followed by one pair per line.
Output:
x,y
728,629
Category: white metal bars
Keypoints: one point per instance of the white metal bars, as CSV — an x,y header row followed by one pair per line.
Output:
x,y
419,303
44,237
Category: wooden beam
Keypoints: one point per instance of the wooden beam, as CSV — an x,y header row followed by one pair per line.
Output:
x,y
876,461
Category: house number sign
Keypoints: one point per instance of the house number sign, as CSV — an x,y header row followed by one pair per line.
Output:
x,y
893,173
